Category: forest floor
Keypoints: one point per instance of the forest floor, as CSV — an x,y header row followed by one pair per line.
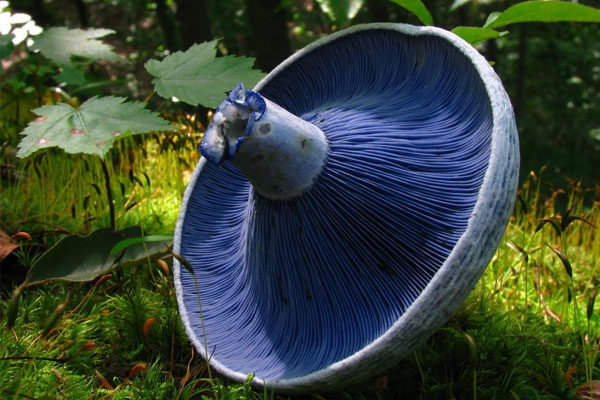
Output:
x,y
529,329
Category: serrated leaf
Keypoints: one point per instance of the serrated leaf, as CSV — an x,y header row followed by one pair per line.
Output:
x,y
196,76
92,129
340,11
545,11
59,44
474,35
418,8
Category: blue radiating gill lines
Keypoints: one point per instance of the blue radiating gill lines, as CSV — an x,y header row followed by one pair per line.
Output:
x,y
300,336
291,287
210,241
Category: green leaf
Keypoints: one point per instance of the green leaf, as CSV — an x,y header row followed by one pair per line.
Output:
x,y
124,244
76,258
590,304
340,11
59,44
457,4
418,8
491,18
92,129
6,47
143,252
196,76
71,75
474,35
81,259
545,11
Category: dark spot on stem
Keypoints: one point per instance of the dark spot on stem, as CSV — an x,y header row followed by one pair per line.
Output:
x,y
264,128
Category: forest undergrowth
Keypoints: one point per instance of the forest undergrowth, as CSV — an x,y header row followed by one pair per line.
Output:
x,y
529,329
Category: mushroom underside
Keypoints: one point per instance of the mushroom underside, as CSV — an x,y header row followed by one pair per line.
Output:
x,y
290,287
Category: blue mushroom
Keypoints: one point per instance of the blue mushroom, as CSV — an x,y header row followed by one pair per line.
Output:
x,y
345,206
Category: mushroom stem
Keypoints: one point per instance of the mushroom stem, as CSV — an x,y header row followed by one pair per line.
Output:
x,y
280,153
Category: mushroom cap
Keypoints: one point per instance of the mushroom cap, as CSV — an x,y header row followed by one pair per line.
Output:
x,y
333,286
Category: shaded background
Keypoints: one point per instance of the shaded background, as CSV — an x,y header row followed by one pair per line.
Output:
x,y
551,71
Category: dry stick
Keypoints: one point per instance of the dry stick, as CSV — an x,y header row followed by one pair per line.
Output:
x,y
149,96
187,376
547,309
111,206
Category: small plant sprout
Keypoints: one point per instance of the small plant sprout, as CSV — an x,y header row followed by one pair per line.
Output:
x,y
345,206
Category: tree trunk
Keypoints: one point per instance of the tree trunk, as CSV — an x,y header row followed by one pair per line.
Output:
x,y
194,24
270,35
521,66
166,24
82,13
36,9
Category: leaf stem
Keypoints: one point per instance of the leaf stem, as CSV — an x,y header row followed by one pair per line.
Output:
x,y
111,206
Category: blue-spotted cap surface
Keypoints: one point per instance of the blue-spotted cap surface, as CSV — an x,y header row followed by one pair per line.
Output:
x,y
336,284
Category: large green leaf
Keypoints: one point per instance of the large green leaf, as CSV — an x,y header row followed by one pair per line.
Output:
x,y
92,129
475,35
340,11
418,8
59,44
196,76
545,11
81,259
